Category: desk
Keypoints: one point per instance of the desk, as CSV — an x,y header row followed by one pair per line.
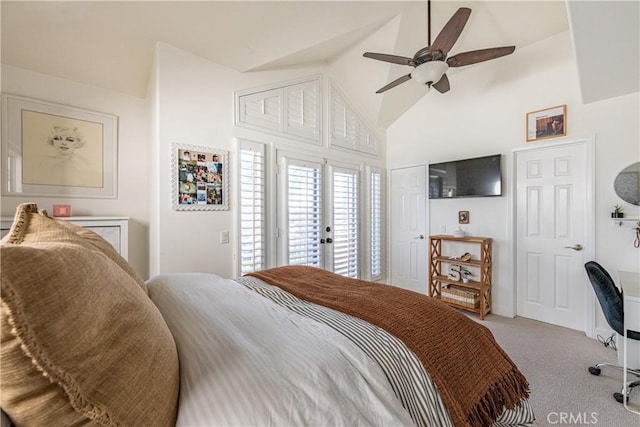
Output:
x,y
630,283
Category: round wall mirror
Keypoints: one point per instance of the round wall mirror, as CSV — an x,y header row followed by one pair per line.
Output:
x,y
627,184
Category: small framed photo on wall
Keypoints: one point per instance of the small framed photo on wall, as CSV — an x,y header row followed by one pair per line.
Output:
x,y
463,217
547,123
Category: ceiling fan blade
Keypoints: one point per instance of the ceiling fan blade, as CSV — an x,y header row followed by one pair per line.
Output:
x,y
394,83
451,31
394,59
475,56
443,84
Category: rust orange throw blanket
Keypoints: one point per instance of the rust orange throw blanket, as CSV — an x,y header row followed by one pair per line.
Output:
x,y
473,374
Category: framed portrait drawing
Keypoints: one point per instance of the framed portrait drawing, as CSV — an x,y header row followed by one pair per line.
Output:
x,y
200,178
547,123
55,150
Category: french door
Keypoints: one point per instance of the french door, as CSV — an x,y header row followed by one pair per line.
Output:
x,y
318,213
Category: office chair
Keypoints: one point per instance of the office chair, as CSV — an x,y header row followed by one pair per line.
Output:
x,y
612,303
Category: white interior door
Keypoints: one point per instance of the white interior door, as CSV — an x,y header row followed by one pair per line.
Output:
x,y
553,223
409,228
318,214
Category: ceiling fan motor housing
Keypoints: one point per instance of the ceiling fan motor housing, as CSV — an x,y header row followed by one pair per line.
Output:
x,y
425,55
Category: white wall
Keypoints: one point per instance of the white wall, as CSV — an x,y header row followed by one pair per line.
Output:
x,y
133,161
194,105
154,130
484,113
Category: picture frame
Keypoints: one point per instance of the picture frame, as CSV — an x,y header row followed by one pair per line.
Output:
x,y
199,178
548,123
463,217
56,150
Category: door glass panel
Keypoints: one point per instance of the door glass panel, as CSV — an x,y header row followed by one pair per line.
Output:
x,y
376,225
345,223
304,205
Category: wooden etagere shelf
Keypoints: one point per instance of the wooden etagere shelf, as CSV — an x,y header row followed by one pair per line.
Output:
x,y
477,293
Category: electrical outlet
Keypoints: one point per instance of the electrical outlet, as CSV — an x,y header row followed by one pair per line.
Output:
x,y
224,237
443,229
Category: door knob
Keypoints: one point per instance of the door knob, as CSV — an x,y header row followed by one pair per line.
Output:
x,y
576,247
421,237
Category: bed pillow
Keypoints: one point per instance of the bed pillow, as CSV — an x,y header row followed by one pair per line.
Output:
x,y
31,226
80,339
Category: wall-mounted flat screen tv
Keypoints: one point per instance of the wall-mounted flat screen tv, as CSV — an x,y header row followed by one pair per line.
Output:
x,y
477,177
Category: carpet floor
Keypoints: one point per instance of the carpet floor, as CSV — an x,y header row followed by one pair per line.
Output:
x,y
555,361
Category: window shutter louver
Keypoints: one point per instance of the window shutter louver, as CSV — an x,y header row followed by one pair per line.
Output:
x,y
304,215
252,208
376,225
345,223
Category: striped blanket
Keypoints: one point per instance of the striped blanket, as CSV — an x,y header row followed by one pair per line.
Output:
x,y
445,342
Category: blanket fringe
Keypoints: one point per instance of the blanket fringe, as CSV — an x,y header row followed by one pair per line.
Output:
x,y
505,393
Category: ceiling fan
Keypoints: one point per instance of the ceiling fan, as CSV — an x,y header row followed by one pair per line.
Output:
x,y
431,62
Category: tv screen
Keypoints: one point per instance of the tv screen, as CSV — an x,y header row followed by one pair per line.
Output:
x,y
477,177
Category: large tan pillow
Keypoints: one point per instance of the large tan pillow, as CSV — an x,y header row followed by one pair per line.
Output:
x,y
81,343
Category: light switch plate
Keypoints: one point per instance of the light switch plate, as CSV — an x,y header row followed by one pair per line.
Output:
x,y
224,237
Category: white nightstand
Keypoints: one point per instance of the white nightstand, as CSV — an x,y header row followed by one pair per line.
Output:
x,y
114,230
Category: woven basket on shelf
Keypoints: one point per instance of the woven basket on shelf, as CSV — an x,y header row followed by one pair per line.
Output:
x,y
461,296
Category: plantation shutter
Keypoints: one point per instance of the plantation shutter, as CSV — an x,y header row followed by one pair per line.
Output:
x,y
376,224
304,210
345,222
367,142
252,207
303,109
346,128
344,123
291,110
262,109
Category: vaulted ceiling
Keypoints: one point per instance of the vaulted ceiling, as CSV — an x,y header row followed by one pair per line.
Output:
x,y
110,44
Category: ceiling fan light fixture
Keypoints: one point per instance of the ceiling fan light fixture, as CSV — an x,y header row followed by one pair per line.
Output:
x,y
429,72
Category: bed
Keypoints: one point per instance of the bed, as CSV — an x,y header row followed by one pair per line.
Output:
x,y
86,342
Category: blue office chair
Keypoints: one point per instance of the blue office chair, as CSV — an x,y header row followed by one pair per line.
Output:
x,y
612,303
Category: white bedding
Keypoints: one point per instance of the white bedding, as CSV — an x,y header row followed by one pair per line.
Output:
x,y
246,361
